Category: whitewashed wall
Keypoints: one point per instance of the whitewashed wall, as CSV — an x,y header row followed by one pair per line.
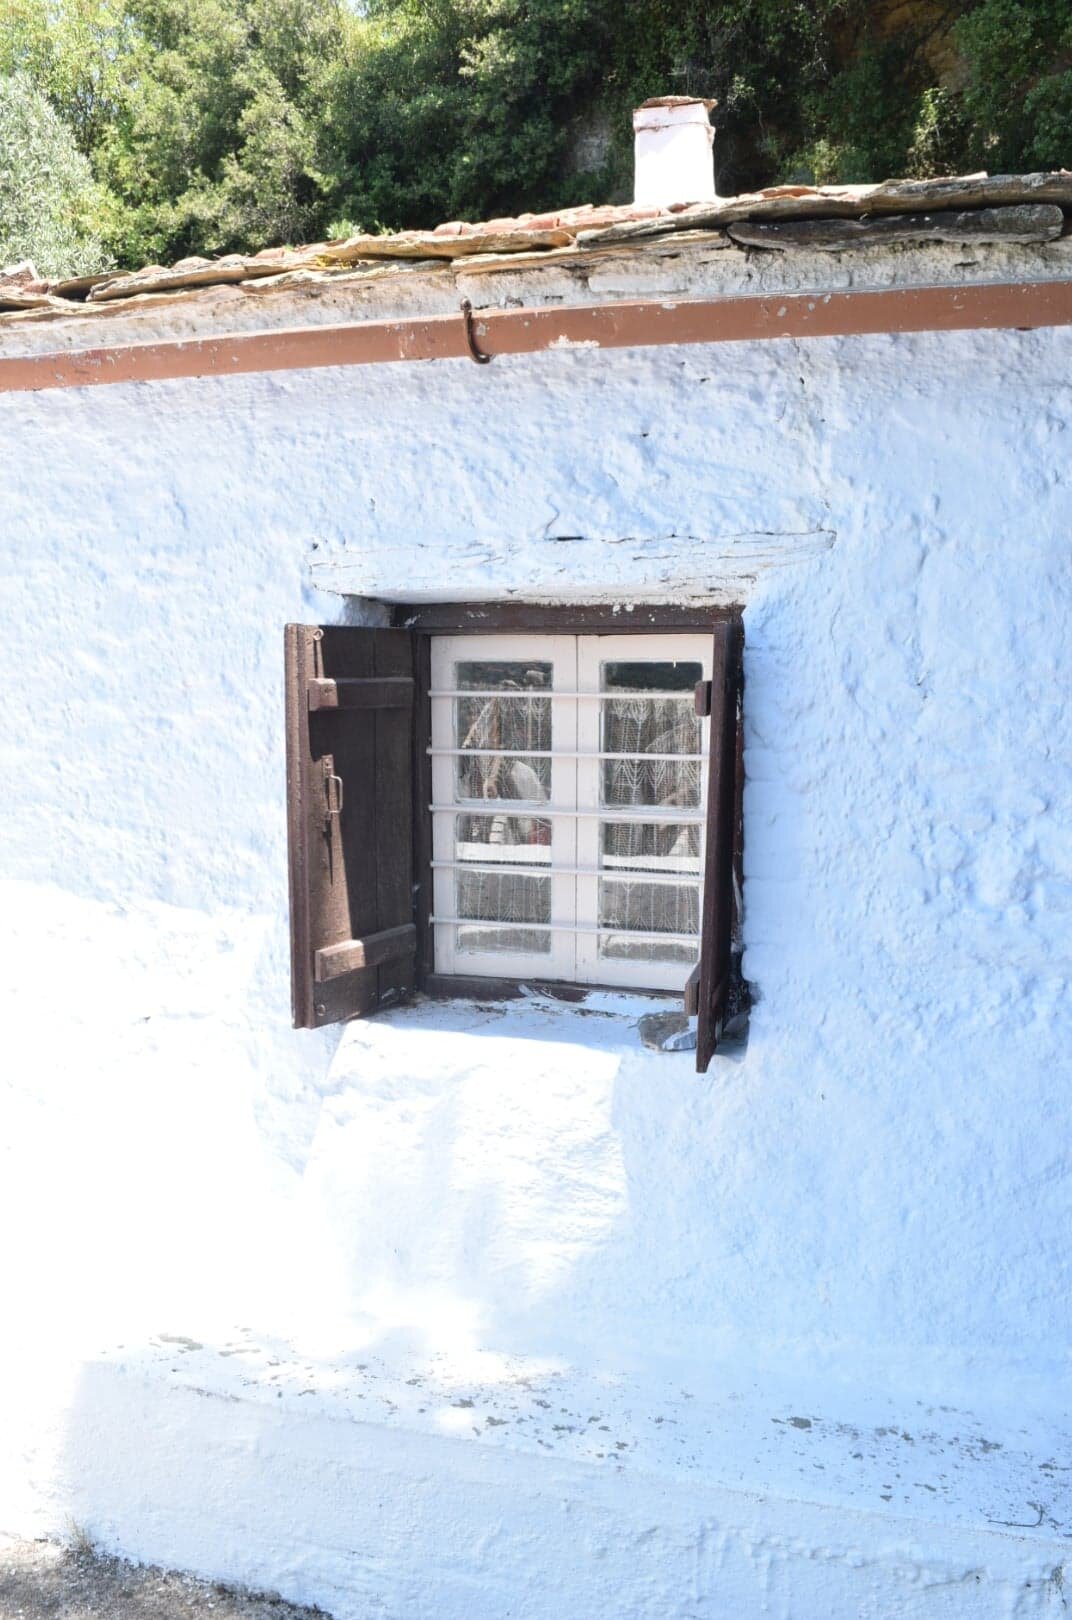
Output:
x,y
875,1193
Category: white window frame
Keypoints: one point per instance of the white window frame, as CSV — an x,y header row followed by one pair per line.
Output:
x,y
573,808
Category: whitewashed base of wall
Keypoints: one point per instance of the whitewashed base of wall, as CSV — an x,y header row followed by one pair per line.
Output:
x,y
681,1509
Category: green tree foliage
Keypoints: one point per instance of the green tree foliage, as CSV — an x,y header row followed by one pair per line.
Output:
x,y
48,198
458,108
215,138
201,117
1018,101
234,124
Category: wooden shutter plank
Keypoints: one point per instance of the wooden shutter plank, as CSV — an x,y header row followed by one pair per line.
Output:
x,y
394,692
350,811
716,923
386,946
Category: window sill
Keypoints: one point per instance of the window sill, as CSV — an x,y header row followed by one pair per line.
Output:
x,y
657,1014
610,1020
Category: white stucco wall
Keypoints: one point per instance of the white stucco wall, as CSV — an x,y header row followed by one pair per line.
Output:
x,y
869,1203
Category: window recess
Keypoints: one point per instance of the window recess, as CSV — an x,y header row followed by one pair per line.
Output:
x,y
494,807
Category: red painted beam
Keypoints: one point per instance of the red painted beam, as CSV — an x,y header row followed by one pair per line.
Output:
x,y
632,324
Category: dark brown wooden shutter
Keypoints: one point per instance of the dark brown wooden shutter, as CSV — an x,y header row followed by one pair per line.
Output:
x,y
350,715
708,992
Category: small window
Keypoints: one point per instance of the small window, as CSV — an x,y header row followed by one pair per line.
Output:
x,y
491,809
569,807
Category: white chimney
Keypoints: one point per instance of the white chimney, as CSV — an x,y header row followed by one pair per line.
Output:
x,y
674,141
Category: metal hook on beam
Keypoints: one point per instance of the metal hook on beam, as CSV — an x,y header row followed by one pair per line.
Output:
x,y
476,353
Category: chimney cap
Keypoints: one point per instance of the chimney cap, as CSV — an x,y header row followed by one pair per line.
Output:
x,y
678,101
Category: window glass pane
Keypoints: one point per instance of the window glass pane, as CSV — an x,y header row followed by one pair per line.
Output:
x,y
499,728
643,846
499,675
648,908
647,675
489,897
655,907
632,948
638,724
489,937
517,840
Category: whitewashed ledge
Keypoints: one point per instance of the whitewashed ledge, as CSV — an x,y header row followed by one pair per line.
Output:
x,y
564,567
406,1463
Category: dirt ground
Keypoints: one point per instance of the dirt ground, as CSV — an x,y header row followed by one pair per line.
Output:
x,y
42,1581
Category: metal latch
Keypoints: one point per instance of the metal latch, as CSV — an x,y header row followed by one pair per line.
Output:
x,y
332,788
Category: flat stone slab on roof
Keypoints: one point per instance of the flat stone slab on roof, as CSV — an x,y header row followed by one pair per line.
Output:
x,y
979,208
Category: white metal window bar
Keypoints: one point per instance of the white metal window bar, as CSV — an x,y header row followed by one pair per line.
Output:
x,y
536,869
537,810
546,753
539,692
565,928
